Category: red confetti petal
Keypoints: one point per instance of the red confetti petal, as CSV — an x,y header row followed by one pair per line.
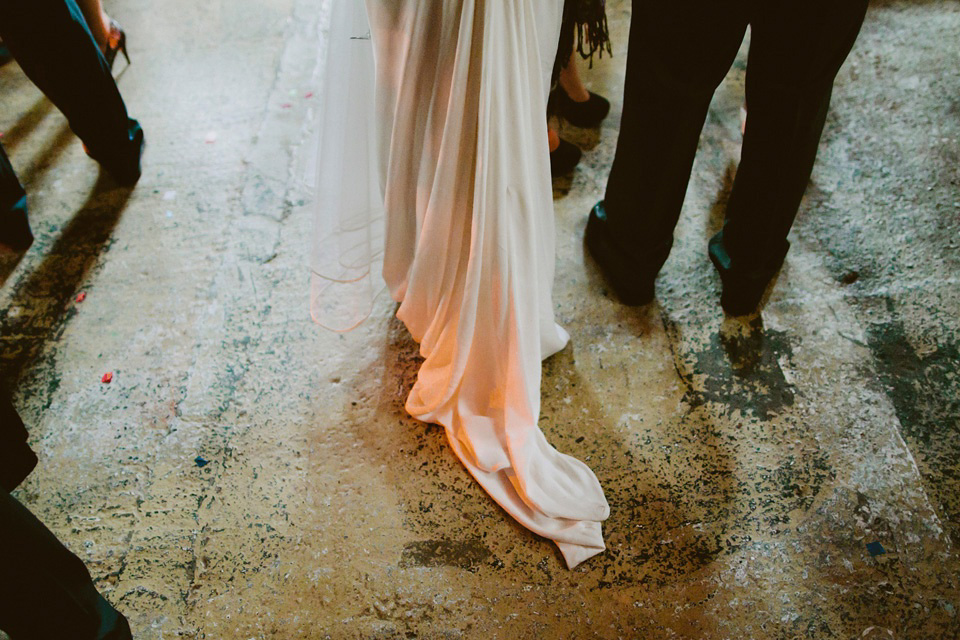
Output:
x,y
107,378
81,296
308,95
286,105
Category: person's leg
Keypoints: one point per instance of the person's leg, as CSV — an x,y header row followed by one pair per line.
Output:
x,y
796,51
15,232
564,156
570,81
678,54
109,35
46,593
98,21
574,101
54,47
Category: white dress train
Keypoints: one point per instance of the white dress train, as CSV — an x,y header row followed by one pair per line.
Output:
x,y
461,89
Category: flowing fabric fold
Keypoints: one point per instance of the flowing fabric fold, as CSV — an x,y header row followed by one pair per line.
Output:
x,y
460,102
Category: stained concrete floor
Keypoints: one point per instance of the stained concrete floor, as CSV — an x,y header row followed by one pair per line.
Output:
x,y
748,463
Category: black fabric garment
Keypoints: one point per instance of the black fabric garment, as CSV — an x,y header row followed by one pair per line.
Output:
x,y
678,54
15,231
45,591
11,192
53,45
16,458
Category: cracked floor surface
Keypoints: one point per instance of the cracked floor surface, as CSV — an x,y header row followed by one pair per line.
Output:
x,y
248,475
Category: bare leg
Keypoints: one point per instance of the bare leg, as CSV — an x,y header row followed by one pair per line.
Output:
x,y
570,81
553,137
98,21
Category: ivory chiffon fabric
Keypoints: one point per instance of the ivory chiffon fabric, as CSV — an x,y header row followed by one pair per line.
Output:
x,y
468,252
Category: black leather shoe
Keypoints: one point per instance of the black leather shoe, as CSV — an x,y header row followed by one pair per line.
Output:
x,y
631,279
742,289
564,158
123,165
129,173
15,234
587,114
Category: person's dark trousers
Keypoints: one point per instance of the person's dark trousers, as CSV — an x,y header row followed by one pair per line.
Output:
x,y
53,45
15,231
45,590
679,53
16,458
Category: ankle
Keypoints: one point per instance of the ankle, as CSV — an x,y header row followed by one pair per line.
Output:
x,y
577,94
571,83
553,139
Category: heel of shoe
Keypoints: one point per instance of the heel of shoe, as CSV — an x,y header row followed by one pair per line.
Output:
x,y
117,43
123,46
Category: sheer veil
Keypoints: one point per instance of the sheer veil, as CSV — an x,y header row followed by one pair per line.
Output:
x,y
344,173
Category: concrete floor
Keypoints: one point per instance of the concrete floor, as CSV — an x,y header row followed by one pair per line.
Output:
x,y
747,463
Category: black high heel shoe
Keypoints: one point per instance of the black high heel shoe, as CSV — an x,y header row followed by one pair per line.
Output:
x,y
564,158
116,43
586,114
123,161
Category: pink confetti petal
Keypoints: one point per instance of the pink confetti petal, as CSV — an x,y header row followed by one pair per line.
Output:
x,y
286,105
308,95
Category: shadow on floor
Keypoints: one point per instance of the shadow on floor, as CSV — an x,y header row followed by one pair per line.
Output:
x,y
29,121
40,304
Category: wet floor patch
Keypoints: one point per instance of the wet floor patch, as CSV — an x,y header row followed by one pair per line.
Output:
x,y
463,554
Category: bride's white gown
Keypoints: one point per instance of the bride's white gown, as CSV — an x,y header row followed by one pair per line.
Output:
x,y
461,88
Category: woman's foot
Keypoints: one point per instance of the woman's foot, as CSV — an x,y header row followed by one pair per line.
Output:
x,y
15,234
116,43
587,113
574,102
564,156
